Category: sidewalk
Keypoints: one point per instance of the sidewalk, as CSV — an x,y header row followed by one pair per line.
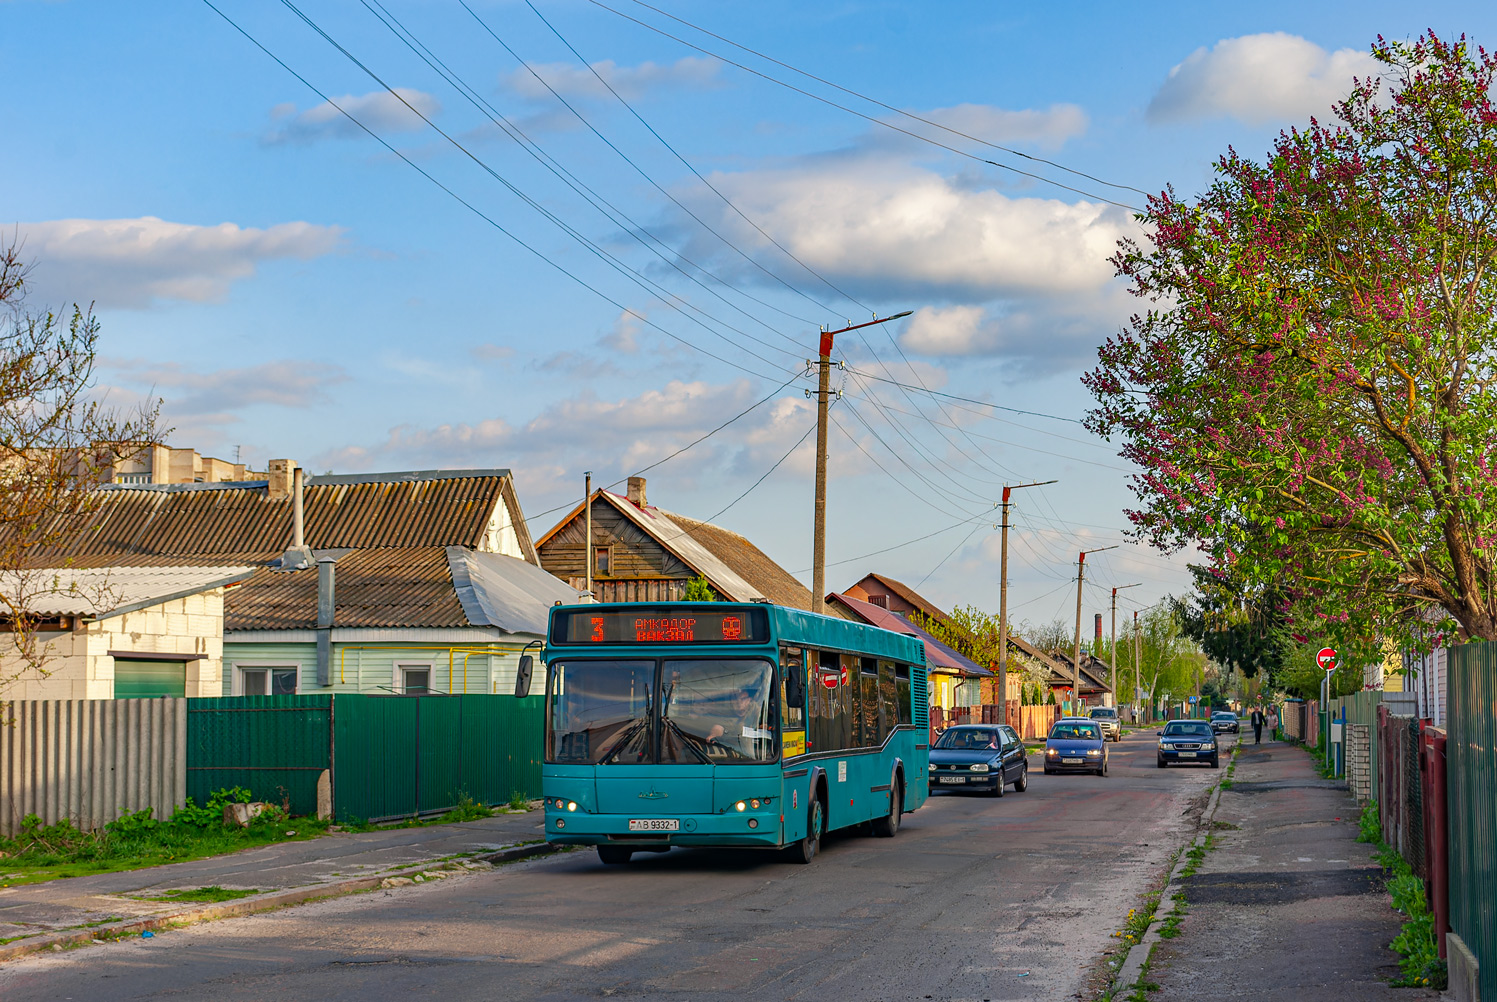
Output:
x,y
1288,905
336,863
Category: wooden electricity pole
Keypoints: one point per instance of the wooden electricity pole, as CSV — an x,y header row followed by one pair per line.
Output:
x,y
1076,654
1115,640
823,391
587,544
1003,603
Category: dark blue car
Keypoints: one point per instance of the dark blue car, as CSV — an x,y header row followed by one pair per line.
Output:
x,y
1190,741
984,757
1076,744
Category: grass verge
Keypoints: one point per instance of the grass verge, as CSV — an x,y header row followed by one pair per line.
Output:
x,y
1420,961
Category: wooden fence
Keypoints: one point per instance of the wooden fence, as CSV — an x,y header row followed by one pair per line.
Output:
x,y
1032,722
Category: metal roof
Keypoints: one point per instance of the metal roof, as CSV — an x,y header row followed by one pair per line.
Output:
x,y
100,593
506,592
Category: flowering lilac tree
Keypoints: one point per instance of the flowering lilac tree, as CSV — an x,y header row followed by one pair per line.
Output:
x,y
1310,393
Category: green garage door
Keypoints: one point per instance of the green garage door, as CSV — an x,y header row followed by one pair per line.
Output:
x,y
149,679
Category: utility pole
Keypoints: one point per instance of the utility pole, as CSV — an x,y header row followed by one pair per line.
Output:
x,y
1136,678
1003,603
1076,651
1115,636
587,545
823,390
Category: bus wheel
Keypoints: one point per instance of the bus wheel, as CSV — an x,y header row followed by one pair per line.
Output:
x,y
805,850
614,854
888,827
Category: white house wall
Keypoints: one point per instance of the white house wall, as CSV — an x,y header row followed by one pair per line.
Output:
x,y
370,668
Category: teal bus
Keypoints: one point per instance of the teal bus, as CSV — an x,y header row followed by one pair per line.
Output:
x,y
726,724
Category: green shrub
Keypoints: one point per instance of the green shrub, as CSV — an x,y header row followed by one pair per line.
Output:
x,y
1371,827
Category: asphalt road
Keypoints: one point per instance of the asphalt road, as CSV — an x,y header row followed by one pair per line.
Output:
x,y
977,898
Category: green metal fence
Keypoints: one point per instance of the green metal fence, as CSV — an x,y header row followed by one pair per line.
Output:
x,y
1361,708
389,756
277,747
1471,801
396,756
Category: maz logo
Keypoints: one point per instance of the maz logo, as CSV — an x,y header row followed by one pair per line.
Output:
x,y
653,794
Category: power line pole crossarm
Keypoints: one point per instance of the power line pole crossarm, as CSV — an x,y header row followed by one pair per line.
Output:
x,y
823,391
1003,601
1076,649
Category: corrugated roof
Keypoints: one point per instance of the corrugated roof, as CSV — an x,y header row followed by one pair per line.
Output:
x,y
938,655
104,592
446,508
749,562
506,592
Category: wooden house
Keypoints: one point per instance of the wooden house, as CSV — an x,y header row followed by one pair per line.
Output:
x,y
643,553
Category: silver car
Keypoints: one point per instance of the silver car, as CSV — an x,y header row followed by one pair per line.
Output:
x,y
1107,718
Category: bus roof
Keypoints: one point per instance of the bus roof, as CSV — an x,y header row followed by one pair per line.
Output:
x,y
798,627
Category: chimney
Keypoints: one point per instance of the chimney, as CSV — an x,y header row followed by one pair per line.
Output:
x,y
297,557
1098,621
637,492
326,590
279,478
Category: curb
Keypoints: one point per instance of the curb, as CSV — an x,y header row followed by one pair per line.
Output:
x,y
269,901
1132,967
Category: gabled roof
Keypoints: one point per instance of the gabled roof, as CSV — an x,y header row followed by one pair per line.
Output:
x,y
910,595
735,567
938,656
233,522
1093,671
429,586
100,593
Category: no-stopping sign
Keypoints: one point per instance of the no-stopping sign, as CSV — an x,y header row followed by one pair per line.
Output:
x,y
1326,658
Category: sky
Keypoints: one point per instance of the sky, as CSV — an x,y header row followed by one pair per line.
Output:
x,y
560,240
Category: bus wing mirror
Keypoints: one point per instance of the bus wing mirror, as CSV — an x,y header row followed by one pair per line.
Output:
x,y
522,676
795,689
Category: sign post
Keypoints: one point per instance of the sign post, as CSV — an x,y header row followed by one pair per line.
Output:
x,y
1327,658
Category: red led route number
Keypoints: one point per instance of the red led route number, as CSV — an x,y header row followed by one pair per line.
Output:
x,y
660,626
669,629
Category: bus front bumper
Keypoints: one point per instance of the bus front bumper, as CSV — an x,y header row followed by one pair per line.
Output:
x,y
730,829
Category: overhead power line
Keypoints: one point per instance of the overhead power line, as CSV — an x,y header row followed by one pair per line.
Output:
x,y
890,107
866,117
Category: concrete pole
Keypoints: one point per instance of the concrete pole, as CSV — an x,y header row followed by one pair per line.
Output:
x,y
1076,652
1136,677
1113,651
818,562
587,545
1003,614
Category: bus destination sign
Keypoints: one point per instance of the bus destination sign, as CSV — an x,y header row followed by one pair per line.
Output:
x,y
666,625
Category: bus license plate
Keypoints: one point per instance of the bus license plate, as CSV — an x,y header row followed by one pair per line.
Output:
x,y
1187,754
1070,761
951,779
654,825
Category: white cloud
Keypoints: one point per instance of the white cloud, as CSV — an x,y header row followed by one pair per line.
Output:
x,y
888,229
380,110
1049,128
1260,79
571,80
491,352
137,262
1035,334
216,395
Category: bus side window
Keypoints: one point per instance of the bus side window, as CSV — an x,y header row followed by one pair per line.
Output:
x,y
821,735
873,731
793,683
888,702
847,702
902,693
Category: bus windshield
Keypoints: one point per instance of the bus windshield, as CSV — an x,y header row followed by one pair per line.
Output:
x,y
697,711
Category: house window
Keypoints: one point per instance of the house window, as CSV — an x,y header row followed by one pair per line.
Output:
x,y
602,560
415,680
268,681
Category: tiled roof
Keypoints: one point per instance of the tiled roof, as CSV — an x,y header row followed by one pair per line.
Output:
x,y
198,522
104,592
749,562
911,596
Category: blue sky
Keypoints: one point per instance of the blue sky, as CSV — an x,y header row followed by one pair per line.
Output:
x,y
290,287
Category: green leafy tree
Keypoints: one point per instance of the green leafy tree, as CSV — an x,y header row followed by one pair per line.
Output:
x,y
1310,394
698,590
1241,627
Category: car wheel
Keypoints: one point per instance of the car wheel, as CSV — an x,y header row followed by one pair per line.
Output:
x,y
805,850
1161,763
614,855
1216,762
998,784
1048,771
888,827
1022,783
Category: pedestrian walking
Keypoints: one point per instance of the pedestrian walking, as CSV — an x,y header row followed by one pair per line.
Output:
x,y
1258,720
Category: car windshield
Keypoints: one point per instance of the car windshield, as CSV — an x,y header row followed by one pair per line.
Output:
x,y
1075,732
969,739
615,712
1100,713
1223,715
1187,727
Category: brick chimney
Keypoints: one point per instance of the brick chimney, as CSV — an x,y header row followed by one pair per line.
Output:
x,y
637,491
280,478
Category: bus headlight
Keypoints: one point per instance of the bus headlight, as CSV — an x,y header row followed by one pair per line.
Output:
x,y
571,805
741,806
754,804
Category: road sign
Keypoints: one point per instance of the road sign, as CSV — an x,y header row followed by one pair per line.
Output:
x,y
1192,699
1327,658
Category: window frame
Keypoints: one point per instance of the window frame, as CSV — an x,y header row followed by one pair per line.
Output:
x,y
603,560
397,677
236,678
